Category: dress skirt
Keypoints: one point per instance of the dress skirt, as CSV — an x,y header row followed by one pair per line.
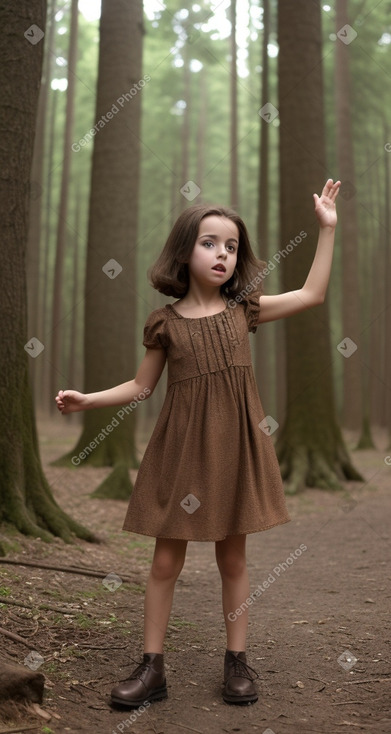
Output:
x,y
210,469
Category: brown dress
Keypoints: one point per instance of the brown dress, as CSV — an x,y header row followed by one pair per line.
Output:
x,y
209,471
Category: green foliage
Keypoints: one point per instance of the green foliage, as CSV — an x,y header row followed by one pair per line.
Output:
x,y
181,33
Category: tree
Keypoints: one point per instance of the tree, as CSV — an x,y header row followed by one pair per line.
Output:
x,y
387,283
110,286
57,306
310,447
26,501
352,388
34,250
234,190
263,341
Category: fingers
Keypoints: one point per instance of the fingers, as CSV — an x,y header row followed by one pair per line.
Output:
x,y
60,400
330,190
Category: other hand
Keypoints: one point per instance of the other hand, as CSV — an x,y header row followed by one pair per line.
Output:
x,y
70,401
325,204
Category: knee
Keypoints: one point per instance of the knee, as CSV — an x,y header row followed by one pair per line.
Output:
x,y
231,565
166,566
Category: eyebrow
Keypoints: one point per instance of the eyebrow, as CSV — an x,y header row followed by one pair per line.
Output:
x,y
214,237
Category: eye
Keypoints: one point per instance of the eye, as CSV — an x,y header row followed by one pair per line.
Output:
x,y
208,244
231,248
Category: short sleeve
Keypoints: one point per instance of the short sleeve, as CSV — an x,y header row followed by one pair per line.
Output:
x,y
251,310
155,330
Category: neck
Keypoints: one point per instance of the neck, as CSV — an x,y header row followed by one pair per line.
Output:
x,y
203,297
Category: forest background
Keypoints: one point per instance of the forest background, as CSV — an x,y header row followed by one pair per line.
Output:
x,y
109,128
248,104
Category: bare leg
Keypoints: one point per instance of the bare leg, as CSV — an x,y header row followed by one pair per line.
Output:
x,y
231,561
166,566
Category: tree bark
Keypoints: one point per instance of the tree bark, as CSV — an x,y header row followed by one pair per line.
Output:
x,y
26,501
310,447
36,285
387,282
75,322
234,189
263,340
45,310
185,131
352,414
369,256
57,332
202,127
110,286
377,317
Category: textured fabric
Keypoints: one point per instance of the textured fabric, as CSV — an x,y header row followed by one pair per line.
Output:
x,y
207,442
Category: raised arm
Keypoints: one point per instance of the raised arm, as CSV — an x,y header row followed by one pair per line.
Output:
x,y
314,289
147,377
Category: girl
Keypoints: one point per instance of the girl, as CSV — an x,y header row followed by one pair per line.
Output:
x,y
210,472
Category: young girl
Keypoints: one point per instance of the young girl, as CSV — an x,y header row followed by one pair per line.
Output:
x,y
210,472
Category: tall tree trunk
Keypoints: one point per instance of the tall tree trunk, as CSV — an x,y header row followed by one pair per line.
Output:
x,y
47,290
310,446
366,440
377,321
26,501
185,132
110,286
35,286
387,282
57,332
202,127
234,190
72,372
352,413
263,340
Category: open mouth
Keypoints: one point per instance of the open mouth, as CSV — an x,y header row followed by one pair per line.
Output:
x,y
220,268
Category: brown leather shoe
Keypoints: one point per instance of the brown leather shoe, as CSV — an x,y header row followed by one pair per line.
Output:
x,y
238,681
147,683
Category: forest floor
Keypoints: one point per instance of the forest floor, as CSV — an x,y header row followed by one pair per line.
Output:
x,y
331,601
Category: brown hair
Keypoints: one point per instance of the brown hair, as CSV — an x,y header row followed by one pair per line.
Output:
x,y
170,274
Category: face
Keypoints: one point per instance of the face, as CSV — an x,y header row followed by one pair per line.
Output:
x,y
215,253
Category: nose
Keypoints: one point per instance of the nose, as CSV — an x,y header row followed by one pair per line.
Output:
x,y
222,252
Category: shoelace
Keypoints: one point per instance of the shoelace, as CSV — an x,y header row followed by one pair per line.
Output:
x,y
241,669
141,667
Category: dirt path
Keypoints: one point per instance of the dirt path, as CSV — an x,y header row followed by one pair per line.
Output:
x,y
328,595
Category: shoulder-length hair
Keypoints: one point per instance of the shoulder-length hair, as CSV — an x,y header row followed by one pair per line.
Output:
x,y
170,273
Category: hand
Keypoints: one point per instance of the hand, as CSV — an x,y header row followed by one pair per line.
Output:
x,y
325,204
70,401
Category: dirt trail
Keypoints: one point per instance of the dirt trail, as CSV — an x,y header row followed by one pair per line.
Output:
x,y
329,600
